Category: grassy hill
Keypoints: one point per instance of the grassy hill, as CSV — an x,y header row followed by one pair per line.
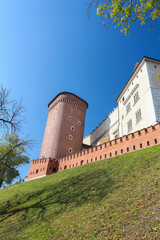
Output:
x,y
116,198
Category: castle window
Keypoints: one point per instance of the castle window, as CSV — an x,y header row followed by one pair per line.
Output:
x,y
138,115
129,125
36,171
79,123
155,140
136,97
134,147
82,162
147,143
70,150
69,118
121,150
123,99
140,145
54,170
65,167
128,108
70,137
72,128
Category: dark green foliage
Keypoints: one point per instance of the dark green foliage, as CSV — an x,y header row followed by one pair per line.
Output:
x,y
12,156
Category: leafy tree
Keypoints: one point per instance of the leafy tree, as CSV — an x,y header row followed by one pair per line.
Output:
x,y
12,155
12,148
124,12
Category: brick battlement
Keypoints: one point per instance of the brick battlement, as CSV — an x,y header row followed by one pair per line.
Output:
x,y
134,141
128,143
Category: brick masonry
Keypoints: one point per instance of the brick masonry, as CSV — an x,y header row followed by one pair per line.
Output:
x,y
135,141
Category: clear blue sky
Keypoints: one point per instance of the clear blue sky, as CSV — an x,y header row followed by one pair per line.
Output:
x,y
50,46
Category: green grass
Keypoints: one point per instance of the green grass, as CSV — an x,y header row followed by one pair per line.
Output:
x,y
116,198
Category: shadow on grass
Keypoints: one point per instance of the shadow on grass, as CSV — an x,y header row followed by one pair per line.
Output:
x,y
62,197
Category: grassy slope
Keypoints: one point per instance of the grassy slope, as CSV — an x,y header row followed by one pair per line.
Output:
x,y
117,198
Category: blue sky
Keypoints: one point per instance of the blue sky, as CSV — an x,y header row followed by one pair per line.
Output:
x,y
50,46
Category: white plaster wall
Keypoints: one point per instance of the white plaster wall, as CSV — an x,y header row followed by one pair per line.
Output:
x,y
145,102
107,127
153,71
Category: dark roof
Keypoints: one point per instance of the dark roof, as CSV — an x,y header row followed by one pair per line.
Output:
x,y
135,70
67,93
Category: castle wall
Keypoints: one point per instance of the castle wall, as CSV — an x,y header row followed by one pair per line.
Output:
x,y
109,127
41,168
136,110
129,143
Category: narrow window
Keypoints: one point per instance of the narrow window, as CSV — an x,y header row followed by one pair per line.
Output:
x,y
72,128
136,97
127,149
121,150
82,162
70,150
110,154
69,118
65,167
155,140
134,147
70,137
95,158
116,153
128,108
140,145
79,123
91,160
105,156
129,125
100,157
147,143
138,115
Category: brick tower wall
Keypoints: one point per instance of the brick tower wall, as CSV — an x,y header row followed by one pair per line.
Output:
x,y
65,125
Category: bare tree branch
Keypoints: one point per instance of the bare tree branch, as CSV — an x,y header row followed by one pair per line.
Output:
x,y
10,112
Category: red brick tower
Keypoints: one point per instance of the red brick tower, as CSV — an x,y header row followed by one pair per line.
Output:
x,y
65,125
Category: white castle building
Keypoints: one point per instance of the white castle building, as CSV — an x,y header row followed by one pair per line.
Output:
x,y
138,105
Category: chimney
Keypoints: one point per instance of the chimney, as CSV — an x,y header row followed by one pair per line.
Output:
x,y
136,66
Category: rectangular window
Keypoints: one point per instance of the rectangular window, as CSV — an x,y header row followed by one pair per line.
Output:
x,y
128,108
129,125
138,115
136,97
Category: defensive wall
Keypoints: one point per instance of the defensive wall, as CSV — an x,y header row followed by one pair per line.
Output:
x,y
134,141
41,168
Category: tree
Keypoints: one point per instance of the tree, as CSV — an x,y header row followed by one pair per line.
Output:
x,y
10,112
12,148
12,155
123,13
